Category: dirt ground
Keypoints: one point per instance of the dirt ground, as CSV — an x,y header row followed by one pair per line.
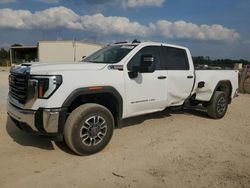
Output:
x,y
166,149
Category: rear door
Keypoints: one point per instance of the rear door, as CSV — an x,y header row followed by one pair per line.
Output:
x,y
180,78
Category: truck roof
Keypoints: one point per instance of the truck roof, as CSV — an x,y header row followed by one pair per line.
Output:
x,y
150,43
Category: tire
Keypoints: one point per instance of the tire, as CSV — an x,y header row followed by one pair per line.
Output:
x,y
88,129
217,107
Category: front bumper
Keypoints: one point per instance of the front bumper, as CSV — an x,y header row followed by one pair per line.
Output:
x,y
48,122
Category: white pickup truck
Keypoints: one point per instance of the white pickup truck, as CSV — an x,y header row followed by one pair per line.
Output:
x,y
81,103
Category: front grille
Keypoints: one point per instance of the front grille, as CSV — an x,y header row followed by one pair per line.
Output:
x,y
18,87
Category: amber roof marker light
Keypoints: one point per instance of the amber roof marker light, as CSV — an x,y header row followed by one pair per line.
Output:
x,y
96,88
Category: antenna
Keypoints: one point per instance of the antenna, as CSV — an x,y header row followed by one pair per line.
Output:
x,y
136,41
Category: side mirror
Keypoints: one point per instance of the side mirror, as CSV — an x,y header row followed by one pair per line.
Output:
x,y
134,73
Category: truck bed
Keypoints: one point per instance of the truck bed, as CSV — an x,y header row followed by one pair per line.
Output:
x,y
211,77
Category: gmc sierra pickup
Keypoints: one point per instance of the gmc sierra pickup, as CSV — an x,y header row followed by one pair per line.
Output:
x,y
81,103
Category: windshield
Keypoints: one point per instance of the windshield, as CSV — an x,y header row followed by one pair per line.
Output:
x,y
110,54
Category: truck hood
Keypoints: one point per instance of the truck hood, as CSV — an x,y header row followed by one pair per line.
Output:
x,y
47,68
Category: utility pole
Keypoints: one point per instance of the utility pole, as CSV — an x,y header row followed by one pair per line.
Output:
x,y
11,56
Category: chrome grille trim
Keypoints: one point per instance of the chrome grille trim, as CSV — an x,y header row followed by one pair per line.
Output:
x,y
18,87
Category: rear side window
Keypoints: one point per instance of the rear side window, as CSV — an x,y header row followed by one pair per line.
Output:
x,y
175,59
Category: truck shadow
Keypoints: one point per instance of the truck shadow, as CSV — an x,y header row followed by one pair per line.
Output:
x,y
140,119
196,111
30,140
25,139
44,143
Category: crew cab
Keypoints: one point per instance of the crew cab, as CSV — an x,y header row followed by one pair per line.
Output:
x,y
81,103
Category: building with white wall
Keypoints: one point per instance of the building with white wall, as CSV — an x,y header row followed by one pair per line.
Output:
x,y
53,51
65,51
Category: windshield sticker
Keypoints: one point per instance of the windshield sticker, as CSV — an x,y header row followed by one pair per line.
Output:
x,y
128,47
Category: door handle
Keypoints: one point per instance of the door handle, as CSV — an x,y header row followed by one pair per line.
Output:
x,y
190,77
162,77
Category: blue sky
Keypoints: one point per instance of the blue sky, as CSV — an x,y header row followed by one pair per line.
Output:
x,y
219,29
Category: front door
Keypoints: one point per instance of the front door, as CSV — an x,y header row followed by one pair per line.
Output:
x,y
147,92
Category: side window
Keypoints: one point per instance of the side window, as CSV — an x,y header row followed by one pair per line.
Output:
x,y
149,50
175,59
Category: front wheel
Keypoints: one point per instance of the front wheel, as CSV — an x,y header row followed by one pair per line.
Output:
x,y
217,108
89,129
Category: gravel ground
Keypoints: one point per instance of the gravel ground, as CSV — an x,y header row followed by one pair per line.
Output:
x,y
166,149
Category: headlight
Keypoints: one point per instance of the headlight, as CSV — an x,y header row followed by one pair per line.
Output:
x,y
47,85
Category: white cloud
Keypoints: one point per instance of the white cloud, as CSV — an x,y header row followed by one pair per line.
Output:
x,y
14,18
49,1
141,3
54,18
187,30
46,19
112,25
125,3
7,1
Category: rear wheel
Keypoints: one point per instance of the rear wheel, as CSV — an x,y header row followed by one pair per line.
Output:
x,y
217,108
89,129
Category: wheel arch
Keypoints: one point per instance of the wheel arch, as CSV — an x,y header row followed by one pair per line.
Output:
x,y
103,95
226,86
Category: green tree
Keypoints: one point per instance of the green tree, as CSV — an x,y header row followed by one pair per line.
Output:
x,y
4,54
4,57
223,63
